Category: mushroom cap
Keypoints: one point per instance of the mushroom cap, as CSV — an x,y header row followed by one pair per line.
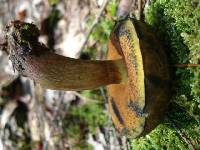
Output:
x,y
138,105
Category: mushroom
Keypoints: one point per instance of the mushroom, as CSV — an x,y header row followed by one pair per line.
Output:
x,y
136,72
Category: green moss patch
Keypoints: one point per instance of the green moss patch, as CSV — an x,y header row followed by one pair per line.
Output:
x,y
177,24
82,120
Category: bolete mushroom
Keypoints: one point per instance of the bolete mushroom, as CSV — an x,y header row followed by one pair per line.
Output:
x,y
136,72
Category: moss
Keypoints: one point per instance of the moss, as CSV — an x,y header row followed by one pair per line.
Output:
x,y
165,135
83,120
177,24
24,32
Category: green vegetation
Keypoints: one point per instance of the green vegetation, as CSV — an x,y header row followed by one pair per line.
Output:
x,y
54,2
93,95
26,32
82,120
177,24
101,32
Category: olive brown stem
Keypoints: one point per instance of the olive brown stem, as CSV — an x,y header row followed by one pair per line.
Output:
x,y
54,71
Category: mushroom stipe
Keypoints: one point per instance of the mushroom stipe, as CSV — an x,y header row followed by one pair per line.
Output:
x,y
136,72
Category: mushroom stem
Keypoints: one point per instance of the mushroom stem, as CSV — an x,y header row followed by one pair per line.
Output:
x,y
33,59
57,72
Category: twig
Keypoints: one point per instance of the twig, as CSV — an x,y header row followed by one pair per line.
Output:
x,y
186,65
181,134
96,21
139,9
103,94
